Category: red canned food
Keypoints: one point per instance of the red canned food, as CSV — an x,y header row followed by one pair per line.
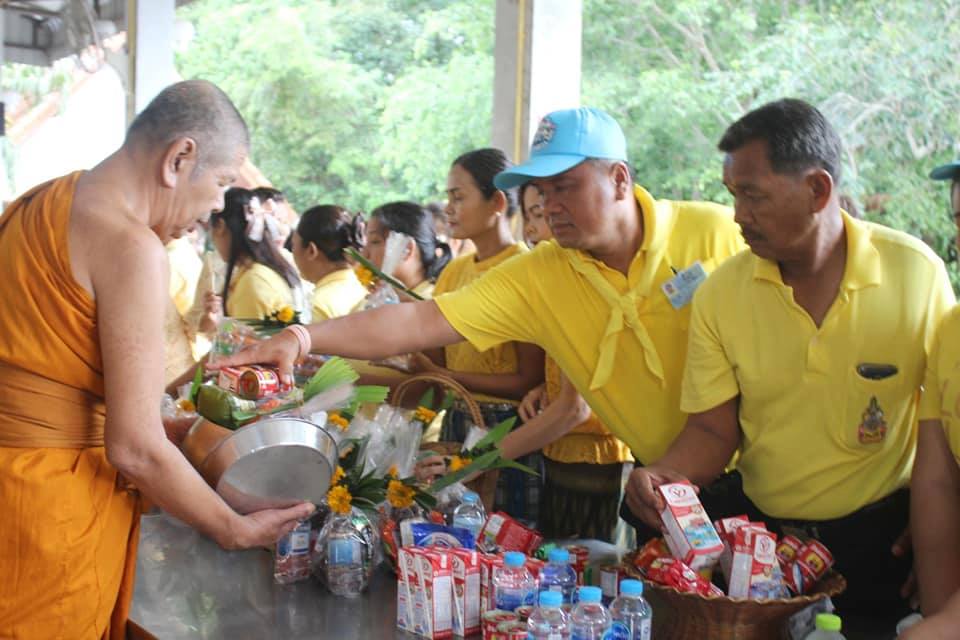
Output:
x,y
581,554
524,611
493,619
513,630
251,382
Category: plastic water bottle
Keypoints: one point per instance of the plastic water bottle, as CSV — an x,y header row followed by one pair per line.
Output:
x,y
558,575
513,586
631,614
470,514
548,621
344,573
291,562
828,628
590,620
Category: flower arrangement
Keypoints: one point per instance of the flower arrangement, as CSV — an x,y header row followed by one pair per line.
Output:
x,y
371,275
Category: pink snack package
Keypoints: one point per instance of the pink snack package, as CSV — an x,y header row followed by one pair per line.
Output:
x,y
689,533
754,560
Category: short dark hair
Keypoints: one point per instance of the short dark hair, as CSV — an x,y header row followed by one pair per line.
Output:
x,y
332,229
798,137
483,165
194,109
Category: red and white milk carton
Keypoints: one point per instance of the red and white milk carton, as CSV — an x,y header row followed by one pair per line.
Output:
x,y
466,592
507,534
754,558
488,564
404,620
409,576
726,529
436,583
689,532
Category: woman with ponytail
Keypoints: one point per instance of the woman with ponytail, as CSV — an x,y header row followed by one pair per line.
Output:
x,y
424,257
258,282
319,242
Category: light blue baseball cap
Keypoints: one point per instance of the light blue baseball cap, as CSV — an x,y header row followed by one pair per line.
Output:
x,y
563,140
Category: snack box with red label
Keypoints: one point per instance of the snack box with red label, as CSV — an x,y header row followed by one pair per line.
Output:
x,y
754,559
493,619
488,562
812,563
466,592
689,533
788,549
436,582
506,534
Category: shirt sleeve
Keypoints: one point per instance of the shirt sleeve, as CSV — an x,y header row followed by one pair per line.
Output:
x,y
708,377
498,307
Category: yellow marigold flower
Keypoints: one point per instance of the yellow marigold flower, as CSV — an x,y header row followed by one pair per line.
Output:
x,y
338,421
340,500
392,472
285,314
338,475
424,415
399,495
365,276
457,463
186,405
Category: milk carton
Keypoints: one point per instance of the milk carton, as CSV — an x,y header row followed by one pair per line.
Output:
x,y
436,585
754,558
488,563
416,615
727,529
690,535
466,592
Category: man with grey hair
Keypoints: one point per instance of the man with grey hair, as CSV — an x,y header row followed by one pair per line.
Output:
x,y
81,356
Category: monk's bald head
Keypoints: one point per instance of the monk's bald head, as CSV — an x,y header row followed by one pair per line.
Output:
x,y
194,109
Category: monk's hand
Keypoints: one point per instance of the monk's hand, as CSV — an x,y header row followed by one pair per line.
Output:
x,y
280,351
264,528
420,363
643,499
429,469
532,403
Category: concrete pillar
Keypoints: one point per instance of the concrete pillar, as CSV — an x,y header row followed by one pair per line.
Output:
x,y
150,42
536,67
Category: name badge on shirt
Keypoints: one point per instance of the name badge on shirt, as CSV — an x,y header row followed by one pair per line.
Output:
x,y
680,288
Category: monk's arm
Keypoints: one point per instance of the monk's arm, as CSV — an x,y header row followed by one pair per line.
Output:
x,y
129,284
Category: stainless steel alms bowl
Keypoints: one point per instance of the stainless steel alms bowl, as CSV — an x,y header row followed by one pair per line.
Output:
x,y
273,463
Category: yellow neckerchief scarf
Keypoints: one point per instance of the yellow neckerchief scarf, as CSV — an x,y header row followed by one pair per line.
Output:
x,y
658,221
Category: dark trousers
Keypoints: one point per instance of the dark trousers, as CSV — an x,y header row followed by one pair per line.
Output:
x,y
860,544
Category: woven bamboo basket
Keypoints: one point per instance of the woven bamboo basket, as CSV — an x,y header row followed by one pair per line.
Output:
x,y
485,485
690,616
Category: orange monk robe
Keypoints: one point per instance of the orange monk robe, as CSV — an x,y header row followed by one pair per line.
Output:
x,y
68,529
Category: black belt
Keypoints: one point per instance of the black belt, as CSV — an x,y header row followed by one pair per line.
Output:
x,y
862,519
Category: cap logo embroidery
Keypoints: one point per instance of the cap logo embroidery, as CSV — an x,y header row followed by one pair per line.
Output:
x,y
544,134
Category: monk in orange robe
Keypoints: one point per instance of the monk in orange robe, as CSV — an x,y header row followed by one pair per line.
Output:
x,y
82,370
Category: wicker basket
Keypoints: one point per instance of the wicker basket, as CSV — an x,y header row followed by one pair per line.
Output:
x,y
690,616
485,485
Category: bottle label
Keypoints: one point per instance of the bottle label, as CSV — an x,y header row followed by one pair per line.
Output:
x,y
621,631
510,599
341,552
296,543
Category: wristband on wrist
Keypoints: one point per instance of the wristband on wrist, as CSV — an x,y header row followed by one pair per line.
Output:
x,y
302,335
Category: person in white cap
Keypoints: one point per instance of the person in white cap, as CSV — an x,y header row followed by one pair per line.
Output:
x,y
608,300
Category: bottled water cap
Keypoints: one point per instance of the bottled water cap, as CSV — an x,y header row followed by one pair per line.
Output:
x,y
559,555
514,559
551,598
631,588
590,594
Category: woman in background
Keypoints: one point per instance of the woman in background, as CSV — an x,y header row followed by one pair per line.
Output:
x,y
258,281
424,256
320,240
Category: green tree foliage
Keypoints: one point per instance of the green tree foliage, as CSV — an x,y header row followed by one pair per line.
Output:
x,y
363,102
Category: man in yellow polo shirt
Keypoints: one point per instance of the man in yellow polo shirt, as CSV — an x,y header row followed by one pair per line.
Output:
x,y
608,300
807,355
935,520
